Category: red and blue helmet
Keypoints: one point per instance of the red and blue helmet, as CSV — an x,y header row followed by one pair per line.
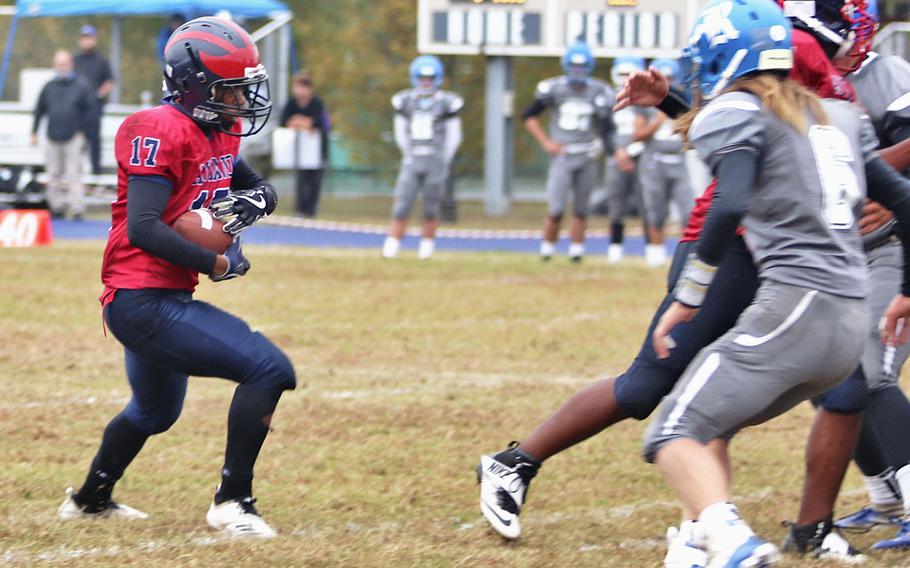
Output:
x,y
208,58
845,28
426,66
733,38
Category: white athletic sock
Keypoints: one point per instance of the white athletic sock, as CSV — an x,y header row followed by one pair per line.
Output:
x,y
547,248
614,253
881,493
724,527
690,531
576,250
655,255
390,247
427,246
903,483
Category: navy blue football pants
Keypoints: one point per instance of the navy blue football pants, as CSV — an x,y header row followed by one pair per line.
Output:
x,y
167,336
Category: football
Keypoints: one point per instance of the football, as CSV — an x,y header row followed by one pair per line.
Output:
x,y
200,227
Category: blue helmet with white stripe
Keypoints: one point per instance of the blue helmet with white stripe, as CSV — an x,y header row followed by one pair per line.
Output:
x,y
733,38
578,62
623,66
426,67
667,67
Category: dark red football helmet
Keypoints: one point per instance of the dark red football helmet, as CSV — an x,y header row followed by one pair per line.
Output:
x,y
212,70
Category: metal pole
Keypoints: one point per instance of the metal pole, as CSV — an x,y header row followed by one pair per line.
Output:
x,y
115,59
284,65
7,55
498,136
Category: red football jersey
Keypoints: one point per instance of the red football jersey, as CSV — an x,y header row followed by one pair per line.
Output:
x,y
162,141
813,70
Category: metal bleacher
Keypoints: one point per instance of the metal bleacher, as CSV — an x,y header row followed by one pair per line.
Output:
x,y
22,176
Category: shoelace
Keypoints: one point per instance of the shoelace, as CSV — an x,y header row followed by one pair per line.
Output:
x,y
248,506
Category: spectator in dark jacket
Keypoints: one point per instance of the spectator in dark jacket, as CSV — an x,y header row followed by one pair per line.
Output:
x,y
95,71
66,101
306,112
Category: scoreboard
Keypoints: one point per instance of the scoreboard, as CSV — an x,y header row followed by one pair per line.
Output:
x,y
649,28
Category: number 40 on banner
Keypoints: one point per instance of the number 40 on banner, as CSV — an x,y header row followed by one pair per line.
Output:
x,y
24,228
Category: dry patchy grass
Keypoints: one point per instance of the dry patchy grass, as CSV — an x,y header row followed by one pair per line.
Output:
x,y
408,370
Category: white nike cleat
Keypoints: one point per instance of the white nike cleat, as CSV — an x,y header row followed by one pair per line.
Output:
x,y
239,518
614,253
426,249
70,510
503,489
684,549
390,247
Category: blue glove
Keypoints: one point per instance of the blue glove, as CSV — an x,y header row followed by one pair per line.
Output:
x,y
238,265
240,209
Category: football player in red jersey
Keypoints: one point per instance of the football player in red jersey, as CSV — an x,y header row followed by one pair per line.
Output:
x,y
179,156
506,476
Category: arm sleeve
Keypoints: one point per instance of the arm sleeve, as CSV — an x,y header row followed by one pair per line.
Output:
x,y
608,133
453,138
736,172
244,177
147,197
886,186
543,97
40,109
319,113
675,104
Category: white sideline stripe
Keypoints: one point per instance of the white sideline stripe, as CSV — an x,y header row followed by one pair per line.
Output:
x,y
371,229
447,382
62,553
701,376
747,340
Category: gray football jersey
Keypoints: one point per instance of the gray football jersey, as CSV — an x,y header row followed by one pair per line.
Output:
x,y
426,116
802,222
882,85
665,140
577,114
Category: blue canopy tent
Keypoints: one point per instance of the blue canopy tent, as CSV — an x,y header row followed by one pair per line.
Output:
x,y
276,52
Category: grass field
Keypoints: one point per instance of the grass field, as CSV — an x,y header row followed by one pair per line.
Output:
x,y
407,371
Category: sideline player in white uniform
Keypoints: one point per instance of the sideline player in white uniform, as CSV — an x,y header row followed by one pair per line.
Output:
x,y
428,133
662,170
580,128
791,170
623,189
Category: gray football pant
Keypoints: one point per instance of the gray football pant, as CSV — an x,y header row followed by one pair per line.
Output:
x,y
65,191
661,183
422,174
881,364
623,192
791,344
575,173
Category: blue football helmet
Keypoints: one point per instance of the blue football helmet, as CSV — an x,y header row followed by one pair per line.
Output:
x,y
578,62
667,67
732,38
425,66
623,66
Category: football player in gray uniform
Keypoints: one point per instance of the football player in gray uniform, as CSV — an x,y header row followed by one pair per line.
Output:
x,y
428,133
662,170
623,189
580,128
791,170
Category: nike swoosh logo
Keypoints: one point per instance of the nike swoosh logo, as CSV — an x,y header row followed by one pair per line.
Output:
x,y
260,202
506,522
